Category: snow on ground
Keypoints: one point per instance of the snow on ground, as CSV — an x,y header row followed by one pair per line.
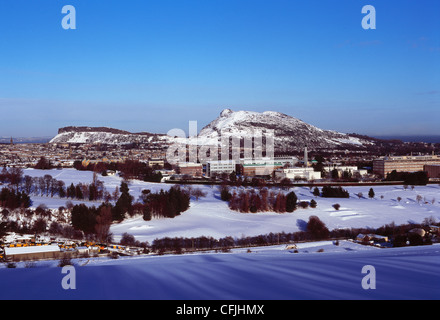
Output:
x,y
265,273
320,270
211,217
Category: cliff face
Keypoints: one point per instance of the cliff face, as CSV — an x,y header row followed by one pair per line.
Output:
x,y
102,135
91,129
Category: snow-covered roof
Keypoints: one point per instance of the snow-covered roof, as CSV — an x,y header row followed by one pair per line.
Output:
x,y
31,249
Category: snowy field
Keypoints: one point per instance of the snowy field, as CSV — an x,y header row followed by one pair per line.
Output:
x,y
211,217
266,273
320,270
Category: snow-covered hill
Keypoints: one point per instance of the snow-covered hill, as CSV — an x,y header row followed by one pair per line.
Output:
x,y
103,135
290,133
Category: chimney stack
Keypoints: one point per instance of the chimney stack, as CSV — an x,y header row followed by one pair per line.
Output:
x,y
306,159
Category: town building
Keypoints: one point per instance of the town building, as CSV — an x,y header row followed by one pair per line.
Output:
x,y
259,167
433,171
32,252
384,165
298,173
286,161
214,168
156,162
191,169
353,170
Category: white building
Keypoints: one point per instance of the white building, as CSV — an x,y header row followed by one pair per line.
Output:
x,y
298,173
259,167
218,167
351,169
286,160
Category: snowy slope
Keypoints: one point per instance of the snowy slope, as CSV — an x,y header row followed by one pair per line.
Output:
x,y
211,217
264,274
289,132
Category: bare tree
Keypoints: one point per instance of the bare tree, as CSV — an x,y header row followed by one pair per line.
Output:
x,y
198,193
103,223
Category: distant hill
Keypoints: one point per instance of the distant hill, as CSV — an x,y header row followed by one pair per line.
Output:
x,y
102,135
425,139
7,140
291,135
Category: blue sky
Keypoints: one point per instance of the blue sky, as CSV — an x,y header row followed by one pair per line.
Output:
x,y
143,65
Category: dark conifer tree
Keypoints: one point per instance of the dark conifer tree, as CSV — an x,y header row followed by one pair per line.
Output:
x,y
291,201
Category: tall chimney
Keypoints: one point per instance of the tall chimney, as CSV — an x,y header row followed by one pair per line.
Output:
x,y
306,159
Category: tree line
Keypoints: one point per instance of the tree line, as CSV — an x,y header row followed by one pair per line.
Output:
x,y
165,204
315,230
36,221
263,200
12,199
129,169
96,221
50,187
333,192
409,178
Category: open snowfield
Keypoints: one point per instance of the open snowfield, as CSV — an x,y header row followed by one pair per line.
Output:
x,y
266,273
211,217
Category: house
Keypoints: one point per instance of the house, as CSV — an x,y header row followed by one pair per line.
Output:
x,y
87,250
191,169
353,170
156,162
434,229
371,238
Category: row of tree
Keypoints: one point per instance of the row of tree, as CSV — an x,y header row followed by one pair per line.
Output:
x,y
97,220
259,201
92,220
409,178
315,230
50,187
12,199
165,204
334,192
12,176
338,192
129,169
